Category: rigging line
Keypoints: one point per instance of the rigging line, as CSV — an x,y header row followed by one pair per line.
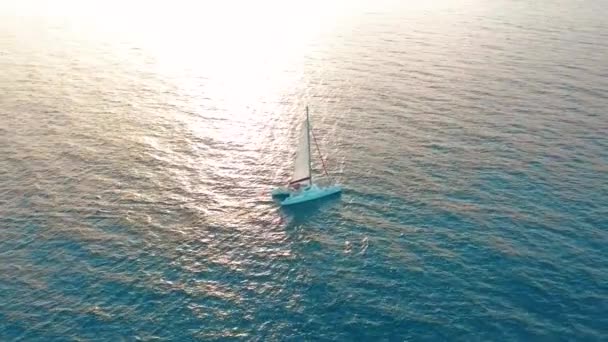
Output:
x,y
319,150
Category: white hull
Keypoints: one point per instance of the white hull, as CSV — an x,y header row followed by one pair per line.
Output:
x,y
311,193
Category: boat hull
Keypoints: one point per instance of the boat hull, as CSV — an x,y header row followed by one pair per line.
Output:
x,y
311,194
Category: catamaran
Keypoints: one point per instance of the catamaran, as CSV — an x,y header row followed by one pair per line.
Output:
x,y
301,187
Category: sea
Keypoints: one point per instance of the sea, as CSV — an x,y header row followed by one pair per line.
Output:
x,y
140,141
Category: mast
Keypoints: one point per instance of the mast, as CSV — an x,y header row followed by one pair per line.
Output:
x,y
308,141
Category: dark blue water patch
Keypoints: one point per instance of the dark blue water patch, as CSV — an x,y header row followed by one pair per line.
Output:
x,y
10,330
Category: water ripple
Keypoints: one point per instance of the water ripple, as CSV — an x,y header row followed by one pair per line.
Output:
x,y
470,139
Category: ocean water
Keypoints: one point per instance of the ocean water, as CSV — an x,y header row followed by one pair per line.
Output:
x,y
139,143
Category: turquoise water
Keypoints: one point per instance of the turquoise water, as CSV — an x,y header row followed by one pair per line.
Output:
x,y
139,144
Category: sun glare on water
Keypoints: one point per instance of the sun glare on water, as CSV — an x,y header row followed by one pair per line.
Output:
x,y
230,68
234,57
247,45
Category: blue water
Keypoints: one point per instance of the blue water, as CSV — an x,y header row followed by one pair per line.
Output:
x,y
139,143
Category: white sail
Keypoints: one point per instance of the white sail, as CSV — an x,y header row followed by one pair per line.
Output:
x,y
301,171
